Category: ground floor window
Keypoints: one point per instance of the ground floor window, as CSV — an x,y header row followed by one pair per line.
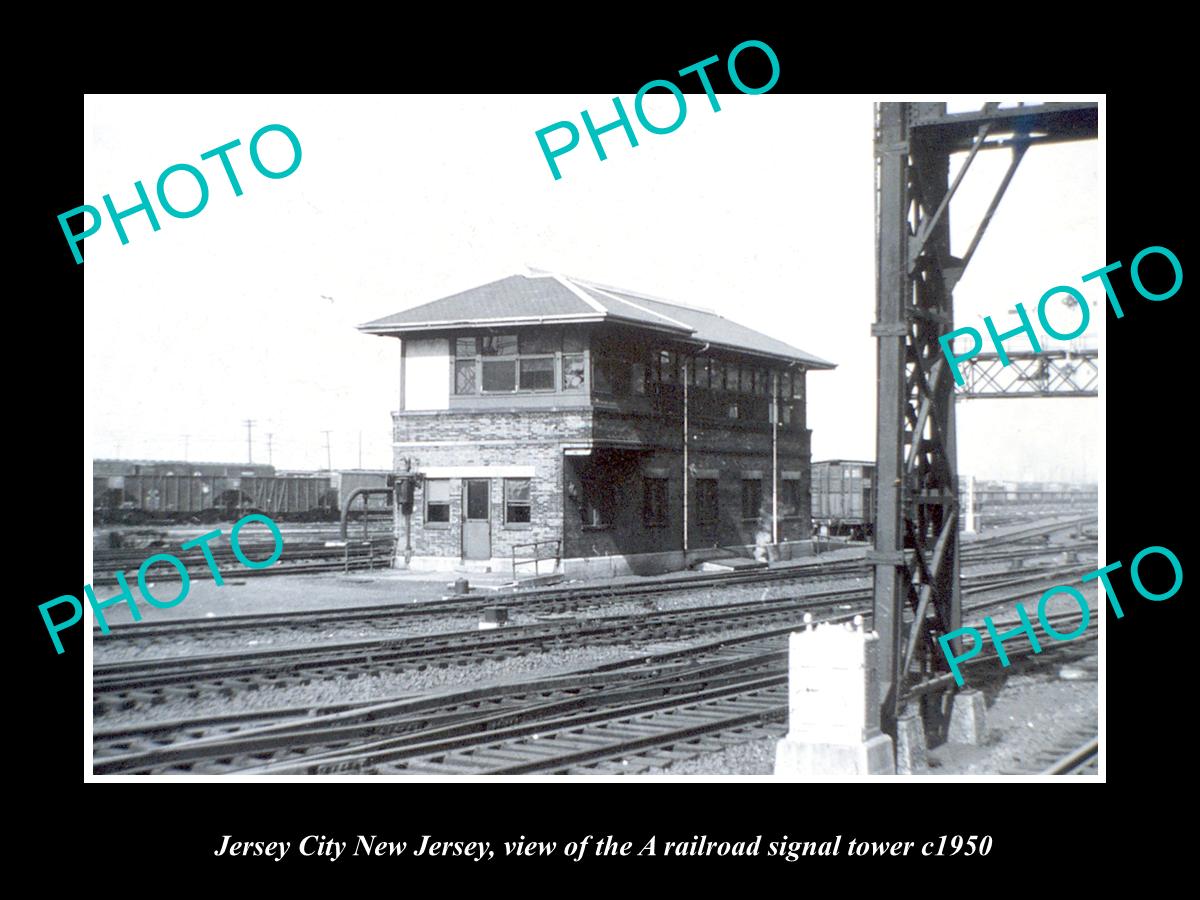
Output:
x,y
517,506
751,498
437,500
789,498
598,502
707,501
654,502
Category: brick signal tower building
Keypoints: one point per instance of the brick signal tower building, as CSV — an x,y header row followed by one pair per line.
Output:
x,y
630,433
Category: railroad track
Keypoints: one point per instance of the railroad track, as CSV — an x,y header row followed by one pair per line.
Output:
x,y
1083,760
719,684
308,557
1077,753
617,730
393,616
296,558
559,600
226,745
637,739
140,682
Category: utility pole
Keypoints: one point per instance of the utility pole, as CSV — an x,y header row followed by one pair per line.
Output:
x,y
328,455
270,457
360,448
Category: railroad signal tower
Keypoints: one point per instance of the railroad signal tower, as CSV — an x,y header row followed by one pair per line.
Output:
x,y
916,554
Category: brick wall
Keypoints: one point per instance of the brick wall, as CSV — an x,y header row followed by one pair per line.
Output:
x,y
530,437
507,437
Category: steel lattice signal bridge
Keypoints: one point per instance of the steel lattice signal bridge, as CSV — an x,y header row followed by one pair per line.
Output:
x,y
916,556
1051,373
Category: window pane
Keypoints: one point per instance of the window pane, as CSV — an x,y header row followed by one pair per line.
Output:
x,y
762,383
543,341
477,500
666,367
797,385
464,376
537,374
637,378
706,501
516,490
751,498
789,497
598,501
785,385
572,342
517,507
499,376
437,500
572,375
747,384
498,345
465,347
654,502
601,380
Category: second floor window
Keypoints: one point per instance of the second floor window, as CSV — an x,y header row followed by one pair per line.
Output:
x,y
507,363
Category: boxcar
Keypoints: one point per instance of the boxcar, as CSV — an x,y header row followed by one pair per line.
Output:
x,y
843,497
133,491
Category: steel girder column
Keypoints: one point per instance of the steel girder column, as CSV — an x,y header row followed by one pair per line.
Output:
x,y
916,532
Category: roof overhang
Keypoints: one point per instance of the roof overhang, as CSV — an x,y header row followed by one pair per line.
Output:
x,y
384,329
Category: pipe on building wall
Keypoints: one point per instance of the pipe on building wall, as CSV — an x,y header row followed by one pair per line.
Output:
x,y
403,355
775,456
687,439
684,373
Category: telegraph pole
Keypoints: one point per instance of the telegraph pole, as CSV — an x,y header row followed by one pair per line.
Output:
x,y
249,442
270,457
360,448
328,455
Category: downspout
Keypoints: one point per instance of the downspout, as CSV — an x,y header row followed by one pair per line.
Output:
x,y
685,459
686,471
775,458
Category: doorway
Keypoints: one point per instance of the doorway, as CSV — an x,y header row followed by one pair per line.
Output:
x,y
477,524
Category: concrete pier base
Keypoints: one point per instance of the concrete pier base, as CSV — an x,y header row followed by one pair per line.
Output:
x,y
803,759
833,706
911,748
968,718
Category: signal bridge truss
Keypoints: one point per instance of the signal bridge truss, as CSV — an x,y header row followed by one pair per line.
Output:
x,y
1051,373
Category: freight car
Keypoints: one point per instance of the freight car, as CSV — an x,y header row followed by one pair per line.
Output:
x,y
843,497
138,491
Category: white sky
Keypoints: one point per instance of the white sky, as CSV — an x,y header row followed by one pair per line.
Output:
x,y
762,212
